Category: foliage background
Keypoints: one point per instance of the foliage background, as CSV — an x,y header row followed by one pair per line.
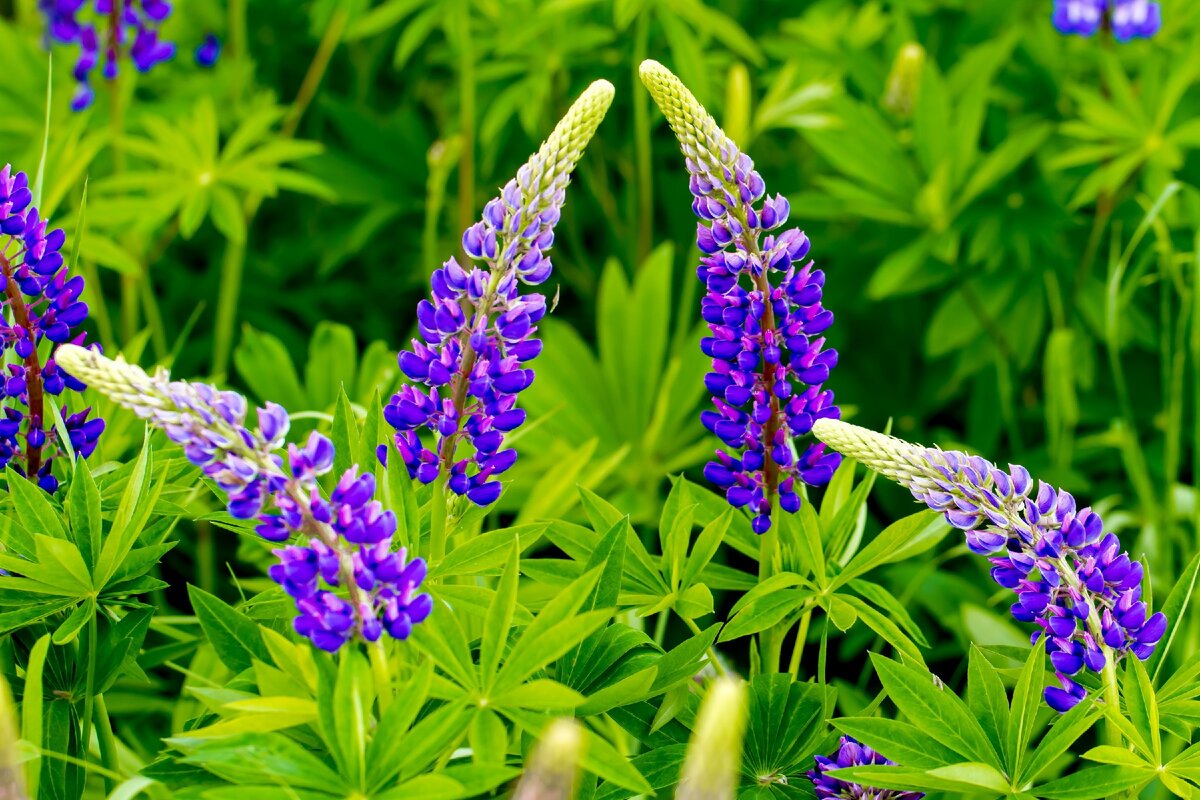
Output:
x,y
1009,232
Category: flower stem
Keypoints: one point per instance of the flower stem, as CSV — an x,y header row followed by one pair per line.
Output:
x,y
437,521
798,645
108,743
1112,696
712,653
33,367
381,673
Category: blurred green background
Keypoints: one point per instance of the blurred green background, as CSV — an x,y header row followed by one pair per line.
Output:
x,y
1006,218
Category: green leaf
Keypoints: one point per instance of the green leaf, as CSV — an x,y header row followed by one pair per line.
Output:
x,y
72,625
391,736
984,776
1175,609
488,737
602,759
345,434
31,710
235,638
33,507
263,363
83,512
352,714
987,700
1066,729
936,711
1094,783
1141,706
251,757
1026,701
499,620
899,741
905,538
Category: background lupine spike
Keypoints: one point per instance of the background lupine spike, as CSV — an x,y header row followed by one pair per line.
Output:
x,y
346,538
1127,19
553,769
1070,577
108,31
851,753
712,766
768,355
41,303
477,329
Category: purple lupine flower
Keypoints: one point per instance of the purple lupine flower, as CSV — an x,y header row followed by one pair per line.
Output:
x,y
769,358
344,540
208,51
1070,576
851,753
385,582
1128,19
107,30
1135,19
41,303
477,330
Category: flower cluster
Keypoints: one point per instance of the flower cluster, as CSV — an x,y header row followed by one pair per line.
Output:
x,y
111,28
1128,19
386,582
1070,576
851,753
768,356
208,51
477,330
348,535
41,302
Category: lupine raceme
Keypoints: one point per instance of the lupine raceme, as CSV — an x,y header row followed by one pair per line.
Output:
x,y
769,360
42,310
1127,19
344,539
106,31
1070,576
851,753
477,331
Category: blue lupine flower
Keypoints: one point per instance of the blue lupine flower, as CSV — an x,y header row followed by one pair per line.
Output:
x,y
768,356
345,539
209,51
1128,19
119,27
41,302
1070,576
851,753
478,331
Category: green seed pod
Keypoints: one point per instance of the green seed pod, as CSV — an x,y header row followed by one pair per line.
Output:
x,y
553,770
714,755
904,81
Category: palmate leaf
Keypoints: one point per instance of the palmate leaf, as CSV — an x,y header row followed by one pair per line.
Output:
x,y
785,729
236,639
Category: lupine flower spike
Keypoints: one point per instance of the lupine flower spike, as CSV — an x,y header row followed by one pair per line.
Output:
x,y
41,304
108,30
768,356
852,754
345,538
478,331
1070,576
1127,19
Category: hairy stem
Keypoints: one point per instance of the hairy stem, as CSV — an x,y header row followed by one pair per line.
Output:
x,y
33,367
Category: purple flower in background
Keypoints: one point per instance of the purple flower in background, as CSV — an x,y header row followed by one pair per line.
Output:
x,y
851,753
478,331
106,31
209,51
1070,576
1128,19
344,540
768,355
42,309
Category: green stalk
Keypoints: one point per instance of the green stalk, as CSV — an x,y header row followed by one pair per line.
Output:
x,y
1112,696
798,645
129,283
641,134
381,674
466,121
712,654
437,521
234,262
108,744
237,28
